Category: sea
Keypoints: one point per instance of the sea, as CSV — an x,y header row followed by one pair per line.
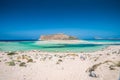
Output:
x,y
85,46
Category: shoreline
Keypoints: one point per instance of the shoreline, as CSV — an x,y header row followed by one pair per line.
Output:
x,y
61,41
67,51
37,65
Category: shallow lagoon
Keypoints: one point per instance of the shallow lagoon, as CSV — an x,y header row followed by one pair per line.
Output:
x,y
91,45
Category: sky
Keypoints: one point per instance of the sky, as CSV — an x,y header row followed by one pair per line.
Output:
x,y
85,19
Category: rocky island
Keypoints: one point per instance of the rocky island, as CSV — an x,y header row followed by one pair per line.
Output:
x,y
59,36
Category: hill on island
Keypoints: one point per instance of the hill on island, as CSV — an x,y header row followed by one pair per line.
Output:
x,y
59,36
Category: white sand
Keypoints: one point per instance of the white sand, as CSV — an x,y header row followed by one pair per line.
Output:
x,y
61,42
73,42
71,66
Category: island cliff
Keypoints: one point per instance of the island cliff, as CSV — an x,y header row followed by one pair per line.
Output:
x,y
57,37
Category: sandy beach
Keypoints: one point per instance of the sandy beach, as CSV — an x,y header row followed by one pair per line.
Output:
x,y
72,42
36,65
61,42
59,39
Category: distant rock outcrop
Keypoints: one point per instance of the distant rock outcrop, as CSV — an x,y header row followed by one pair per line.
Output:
x,y
57,37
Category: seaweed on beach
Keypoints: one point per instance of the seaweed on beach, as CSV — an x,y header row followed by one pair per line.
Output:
x,y
30,60
111,67
22,64
75,55
59,61
11,53
11,63
94,67
118,64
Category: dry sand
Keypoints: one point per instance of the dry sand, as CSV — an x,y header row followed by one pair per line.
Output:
x,y
37,65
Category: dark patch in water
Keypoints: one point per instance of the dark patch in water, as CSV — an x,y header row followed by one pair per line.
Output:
x,y
71,45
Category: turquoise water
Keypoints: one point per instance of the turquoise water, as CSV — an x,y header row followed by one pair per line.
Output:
x,y
105,41
81,47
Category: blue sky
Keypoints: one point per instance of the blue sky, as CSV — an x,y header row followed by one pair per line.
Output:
x,y
28,19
